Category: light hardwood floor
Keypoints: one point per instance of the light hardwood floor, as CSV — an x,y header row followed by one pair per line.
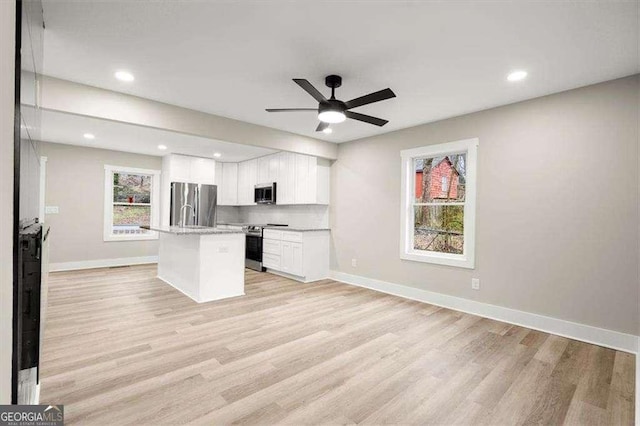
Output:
x,y
122,347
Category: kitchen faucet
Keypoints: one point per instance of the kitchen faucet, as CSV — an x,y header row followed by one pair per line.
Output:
x,y
181,222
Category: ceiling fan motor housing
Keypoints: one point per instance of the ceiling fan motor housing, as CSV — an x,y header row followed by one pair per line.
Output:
x,y
333,81
332,105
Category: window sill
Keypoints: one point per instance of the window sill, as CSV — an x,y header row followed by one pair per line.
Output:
x,y
146,237
446,259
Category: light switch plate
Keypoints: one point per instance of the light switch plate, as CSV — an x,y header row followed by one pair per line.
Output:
x,y
475,283
51,210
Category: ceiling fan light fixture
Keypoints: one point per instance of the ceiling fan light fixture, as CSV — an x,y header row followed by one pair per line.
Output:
x,y
332,110
331,116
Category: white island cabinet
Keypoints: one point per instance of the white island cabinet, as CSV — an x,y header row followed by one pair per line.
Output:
x,y
204,263
297,253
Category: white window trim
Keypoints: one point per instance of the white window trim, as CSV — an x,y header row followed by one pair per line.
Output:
x,y
108,203
407,252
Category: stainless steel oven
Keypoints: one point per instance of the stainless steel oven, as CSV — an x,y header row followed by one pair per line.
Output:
x,y
265,193
253,245
253,248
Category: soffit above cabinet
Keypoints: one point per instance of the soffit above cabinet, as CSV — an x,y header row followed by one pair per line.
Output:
x,y
69,129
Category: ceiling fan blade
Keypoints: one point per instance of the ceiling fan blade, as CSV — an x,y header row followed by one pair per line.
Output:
x,y
366,118
322,126
378,96
308,87
290,109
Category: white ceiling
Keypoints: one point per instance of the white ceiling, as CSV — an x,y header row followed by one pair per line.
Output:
x,y
69,129
442,59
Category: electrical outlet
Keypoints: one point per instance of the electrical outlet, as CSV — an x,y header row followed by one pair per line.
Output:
x,y
354,263
51,210
475,283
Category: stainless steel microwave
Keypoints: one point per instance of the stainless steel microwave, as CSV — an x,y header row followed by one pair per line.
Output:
x,y
265,193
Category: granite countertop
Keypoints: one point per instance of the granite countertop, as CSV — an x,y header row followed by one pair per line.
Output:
x,y
296,229
193,230
283,228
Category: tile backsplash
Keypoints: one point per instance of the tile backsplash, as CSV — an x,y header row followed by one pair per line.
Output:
x,y
298,215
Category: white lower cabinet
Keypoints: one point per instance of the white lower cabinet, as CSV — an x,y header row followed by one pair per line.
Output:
x,y
291,258
303,256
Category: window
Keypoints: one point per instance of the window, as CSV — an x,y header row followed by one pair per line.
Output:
x,y
438,203
445,185
131,200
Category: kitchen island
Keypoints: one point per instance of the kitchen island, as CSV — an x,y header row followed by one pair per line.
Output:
x,y
204,263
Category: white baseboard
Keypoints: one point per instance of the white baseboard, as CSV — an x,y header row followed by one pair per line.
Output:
x,y
637,398
586,333
102,263
294,277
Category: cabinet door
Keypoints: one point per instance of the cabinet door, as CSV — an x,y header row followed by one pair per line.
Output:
x,y
203,170
312,180
243,177
291,258
286,258
247,176
253,180
180,168
285,191
218,180
274,168
230,183
301,179
222,201
263,170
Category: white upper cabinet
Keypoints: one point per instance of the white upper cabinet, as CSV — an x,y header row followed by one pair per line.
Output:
x,y
310,180
179,168
263,169
247,180
274,167
182,168
227,181
285,184
300,179
268,168
203,170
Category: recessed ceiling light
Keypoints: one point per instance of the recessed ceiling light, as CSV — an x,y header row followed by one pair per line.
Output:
x,y
89,136
217,155
162,147
327,130
124,76
517,76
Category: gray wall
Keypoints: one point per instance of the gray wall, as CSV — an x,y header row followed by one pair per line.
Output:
x,y
557,210
75,183
7,64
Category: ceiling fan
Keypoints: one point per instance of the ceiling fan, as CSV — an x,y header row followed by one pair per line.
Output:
x,y
333,110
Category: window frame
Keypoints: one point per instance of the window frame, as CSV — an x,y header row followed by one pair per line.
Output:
x,y
108,235
407,252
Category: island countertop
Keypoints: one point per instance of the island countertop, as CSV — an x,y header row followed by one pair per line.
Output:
x,y
281,228
296,229
191,230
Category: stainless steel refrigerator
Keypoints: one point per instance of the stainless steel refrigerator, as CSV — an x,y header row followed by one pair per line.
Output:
x,y
193,204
